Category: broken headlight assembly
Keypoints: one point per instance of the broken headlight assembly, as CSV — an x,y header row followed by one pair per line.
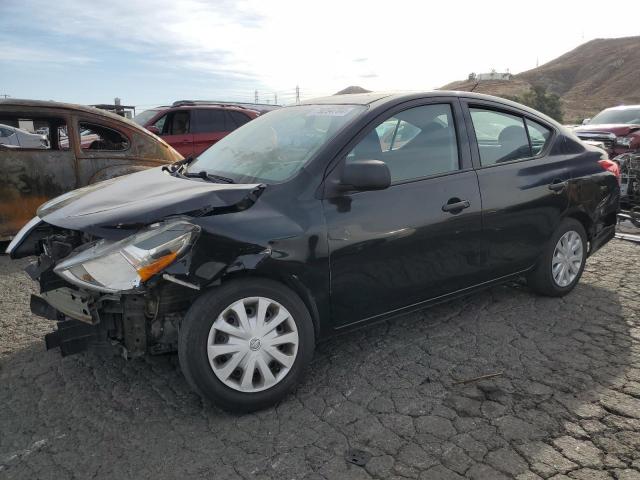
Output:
x,y
121,266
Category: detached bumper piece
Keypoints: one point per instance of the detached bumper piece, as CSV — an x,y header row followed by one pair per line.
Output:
x,y
71,337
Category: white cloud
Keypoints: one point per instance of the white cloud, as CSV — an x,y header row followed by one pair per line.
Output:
x,y
325,46
46,56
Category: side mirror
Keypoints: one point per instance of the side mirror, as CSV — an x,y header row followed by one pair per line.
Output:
x,y
585,121
153,129
366,175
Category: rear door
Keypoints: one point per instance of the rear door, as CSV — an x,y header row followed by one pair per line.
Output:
x,y
523,183
176,131
209,125
421,237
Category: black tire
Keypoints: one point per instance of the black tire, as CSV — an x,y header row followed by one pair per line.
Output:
x,y
194,333
540,279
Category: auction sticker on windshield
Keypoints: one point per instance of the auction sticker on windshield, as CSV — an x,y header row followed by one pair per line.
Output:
x,y
330,111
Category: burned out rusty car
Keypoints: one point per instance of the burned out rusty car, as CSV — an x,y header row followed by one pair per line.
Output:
x,y
83,145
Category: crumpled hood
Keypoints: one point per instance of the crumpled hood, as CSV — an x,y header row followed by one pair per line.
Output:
x,y
618,129
113,208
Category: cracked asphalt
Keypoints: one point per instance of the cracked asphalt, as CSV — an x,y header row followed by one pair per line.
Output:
x,y
567,405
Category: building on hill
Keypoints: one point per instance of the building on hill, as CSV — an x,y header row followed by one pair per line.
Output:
x,y
493,75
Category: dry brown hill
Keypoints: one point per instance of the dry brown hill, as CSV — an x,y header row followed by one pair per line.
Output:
x,y
598,74
352,89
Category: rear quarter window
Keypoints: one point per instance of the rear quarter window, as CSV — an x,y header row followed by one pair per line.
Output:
x,y
237,119
539,136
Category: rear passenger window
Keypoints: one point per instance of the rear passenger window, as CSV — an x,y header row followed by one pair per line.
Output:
x,y
501,136
539,136
209,121
98,137
415,143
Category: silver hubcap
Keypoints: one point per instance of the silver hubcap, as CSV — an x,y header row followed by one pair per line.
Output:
x,y
567,259
252,344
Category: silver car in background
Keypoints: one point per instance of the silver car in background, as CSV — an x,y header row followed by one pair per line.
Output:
x,y
16,137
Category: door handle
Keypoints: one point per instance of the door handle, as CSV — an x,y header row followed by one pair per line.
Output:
x,y
455,205
557,186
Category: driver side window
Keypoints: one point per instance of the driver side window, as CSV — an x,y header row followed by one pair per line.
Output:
x,y
416,143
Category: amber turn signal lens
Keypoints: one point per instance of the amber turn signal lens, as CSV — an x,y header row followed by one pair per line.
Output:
x,y
158,265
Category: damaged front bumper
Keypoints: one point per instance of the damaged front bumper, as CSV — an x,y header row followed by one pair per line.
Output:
x,y
133,324
144,319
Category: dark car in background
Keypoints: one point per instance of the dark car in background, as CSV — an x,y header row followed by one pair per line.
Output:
x,y
313,220
193,126
76,146
617,128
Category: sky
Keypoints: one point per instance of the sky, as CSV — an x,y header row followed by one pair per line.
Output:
x,y
154,52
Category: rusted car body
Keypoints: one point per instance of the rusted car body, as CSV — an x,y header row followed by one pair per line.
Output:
x,y
86,145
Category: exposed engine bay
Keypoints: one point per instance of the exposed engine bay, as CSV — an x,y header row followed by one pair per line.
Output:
x,y
630,186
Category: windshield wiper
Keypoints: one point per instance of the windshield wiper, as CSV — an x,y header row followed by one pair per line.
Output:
x,y
174,167
209,177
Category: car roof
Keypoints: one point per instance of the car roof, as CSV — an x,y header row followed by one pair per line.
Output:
x,y
624,107
381,98
50,105
216,106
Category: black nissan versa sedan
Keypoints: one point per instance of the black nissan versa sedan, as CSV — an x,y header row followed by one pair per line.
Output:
x,y
311,220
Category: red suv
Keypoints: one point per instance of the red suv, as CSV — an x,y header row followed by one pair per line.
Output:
x,y
193,126
618,128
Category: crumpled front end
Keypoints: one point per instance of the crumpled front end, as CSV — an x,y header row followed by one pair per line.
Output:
x,y
109,293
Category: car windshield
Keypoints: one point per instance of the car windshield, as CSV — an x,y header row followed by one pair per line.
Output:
x,y
275,146
627,115
143,117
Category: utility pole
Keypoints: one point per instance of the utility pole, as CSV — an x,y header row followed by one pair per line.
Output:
x,y
4,95
297,95
275,98
255,97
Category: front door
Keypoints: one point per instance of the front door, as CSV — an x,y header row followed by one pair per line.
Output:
x,y
523,181
421,237
32,172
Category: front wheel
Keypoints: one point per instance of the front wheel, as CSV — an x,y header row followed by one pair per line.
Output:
x,y
246,344
562,262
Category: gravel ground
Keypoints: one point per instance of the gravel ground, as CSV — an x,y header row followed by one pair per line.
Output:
x,y
566,406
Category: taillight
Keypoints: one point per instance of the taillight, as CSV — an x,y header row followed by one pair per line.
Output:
x,y
610,166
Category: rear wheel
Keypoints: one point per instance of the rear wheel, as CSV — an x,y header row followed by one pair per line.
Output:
x,y
246,344
562,262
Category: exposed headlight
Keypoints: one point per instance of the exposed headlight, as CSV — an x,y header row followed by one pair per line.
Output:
x,y
624,141
124,265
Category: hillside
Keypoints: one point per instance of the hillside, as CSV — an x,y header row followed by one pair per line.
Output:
x,y
598,74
